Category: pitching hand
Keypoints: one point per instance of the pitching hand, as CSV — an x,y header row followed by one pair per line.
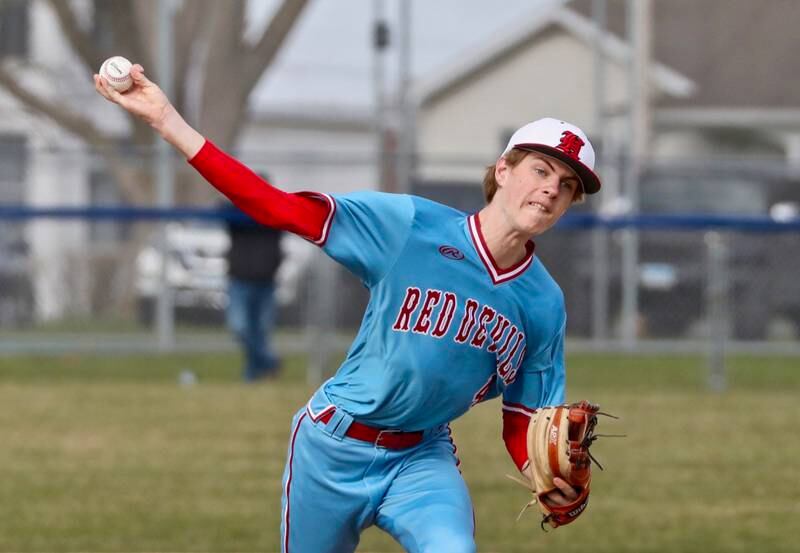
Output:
x,y
144,99
148,102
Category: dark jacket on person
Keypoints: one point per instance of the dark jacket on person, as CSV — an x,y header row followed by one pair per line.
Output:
x,y
255,251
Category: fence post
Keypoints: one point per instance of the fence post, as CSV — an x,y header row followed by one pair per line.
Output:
x,y
600,277
717,309
165,184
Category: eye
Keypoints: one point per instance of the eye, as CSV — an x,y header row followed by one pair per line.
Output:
x,y
539,171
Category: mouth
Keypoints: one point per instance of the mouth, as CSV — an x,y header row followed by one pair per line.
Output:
x,y
539,207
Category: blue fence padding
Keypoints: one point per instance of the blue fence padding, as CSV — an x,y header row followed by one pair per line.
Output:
x,y
569,221
123,213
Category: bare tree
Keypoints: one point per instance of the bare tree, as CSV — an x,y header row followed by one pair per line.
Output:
x,y
210,52
209,45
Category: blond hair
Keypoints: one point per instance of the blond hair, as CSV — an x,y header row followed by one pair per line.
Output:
x,y
513,158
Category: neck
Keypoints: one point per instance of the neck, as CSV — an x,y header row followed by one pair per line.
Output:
x,y
506,245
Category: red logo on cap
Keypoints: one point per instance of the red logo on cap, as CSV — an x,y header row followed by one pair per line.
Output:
x,y
570,144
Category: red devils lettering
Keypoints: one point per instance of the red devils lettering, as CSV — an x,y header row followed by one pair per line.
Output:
x,y
487,314
504,367
432,298
497,332
467,322
512,376
504,339
510,336
570,144
445,318
409,305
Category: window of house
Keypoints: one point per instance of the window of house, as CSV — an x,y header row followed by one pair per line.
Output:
x,y
14,28
13,164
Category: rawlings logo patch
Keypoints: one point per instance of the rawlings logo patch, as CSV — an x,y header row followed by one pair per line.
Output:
x,y
451,252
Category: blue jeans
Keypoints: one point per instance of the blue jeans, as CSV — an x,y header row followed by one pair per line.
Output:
x,y
251,317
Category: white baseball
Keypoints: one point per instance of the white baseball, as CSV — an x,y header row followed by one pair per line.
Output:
x,y
117,71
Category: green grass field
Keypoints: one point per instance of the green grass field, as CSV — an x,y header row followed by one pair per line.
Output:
x,y
111,454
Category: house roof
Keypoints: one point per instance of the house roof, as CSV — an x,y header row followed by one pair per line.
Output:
x,y
739,53
530,28
319,117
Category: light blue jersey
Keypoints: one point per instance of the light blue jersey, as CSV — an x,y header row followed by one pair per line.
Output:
x,y
445,328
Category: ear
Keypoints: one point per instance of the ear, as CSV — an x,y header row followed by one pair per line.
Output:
x,y
501,170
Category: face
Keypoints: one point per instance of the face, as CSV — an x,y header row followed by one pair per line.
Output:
x,y
535,193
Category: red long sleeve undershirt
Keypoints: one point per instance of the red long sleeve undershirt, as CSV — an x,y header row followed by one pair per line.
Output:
x,y
305,214
515,435
302,213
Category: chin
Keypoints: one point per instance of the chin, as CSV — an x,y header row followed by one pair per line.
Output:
x,y
533,226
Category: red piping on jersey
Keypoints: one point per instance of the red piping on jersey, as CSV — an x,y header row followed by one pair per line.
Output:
x,y
518,408
316,417
326,225
307,214
289,483
497,273
455,449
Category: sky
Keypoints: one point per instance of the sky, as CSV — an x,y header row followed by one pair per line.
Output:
x,y
327,61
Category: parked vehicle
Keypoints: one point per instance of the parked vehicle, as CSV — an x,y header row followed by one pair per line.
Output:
x,y
196,273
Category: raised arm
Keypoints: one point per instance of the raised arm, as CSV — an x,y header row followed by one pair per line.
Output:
x,y
305,214
148,102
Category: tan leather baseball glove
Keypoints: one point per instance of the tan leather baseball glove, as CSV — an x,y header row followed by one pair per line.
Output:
x,y
559,438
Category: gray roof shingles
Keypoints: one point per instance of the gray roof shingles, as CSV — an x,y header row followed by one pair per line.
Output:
x,y
739,53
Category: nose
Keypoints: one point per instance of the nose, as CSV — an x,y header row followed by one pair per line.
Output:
x,y
551,186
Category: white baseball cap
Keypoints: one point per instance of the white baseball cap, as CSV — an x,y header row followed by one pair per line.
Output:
x,y
563,141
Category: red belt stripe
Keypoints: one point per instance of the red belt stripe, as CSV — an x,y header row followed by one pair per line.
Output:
x,y
390,439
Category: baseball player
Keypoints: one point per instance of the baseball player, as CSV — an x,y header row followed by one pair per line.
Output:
x,y
461,311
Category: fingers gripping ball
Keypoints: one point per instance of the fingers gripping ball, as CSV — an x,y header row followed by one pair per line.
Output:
x,y
117,71
559,438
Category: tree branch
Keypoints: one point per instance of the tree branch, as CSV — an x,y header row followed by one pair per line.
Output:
x,y
188,33
222,100
260,56
80,41
77,125
135,30
84,45
65,118
227,86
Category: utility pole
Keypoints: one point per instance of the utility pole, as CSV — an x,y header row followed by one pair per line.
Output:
x,y
405,111
380,44
639,33
165,178
600,235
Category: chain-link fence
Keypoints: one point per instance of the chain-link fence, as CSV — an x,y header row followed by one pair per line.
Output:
x,y
685,273
722,264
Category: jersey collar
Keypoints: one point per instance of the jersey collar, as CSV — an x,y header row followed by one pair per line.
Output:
x,y
498,274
